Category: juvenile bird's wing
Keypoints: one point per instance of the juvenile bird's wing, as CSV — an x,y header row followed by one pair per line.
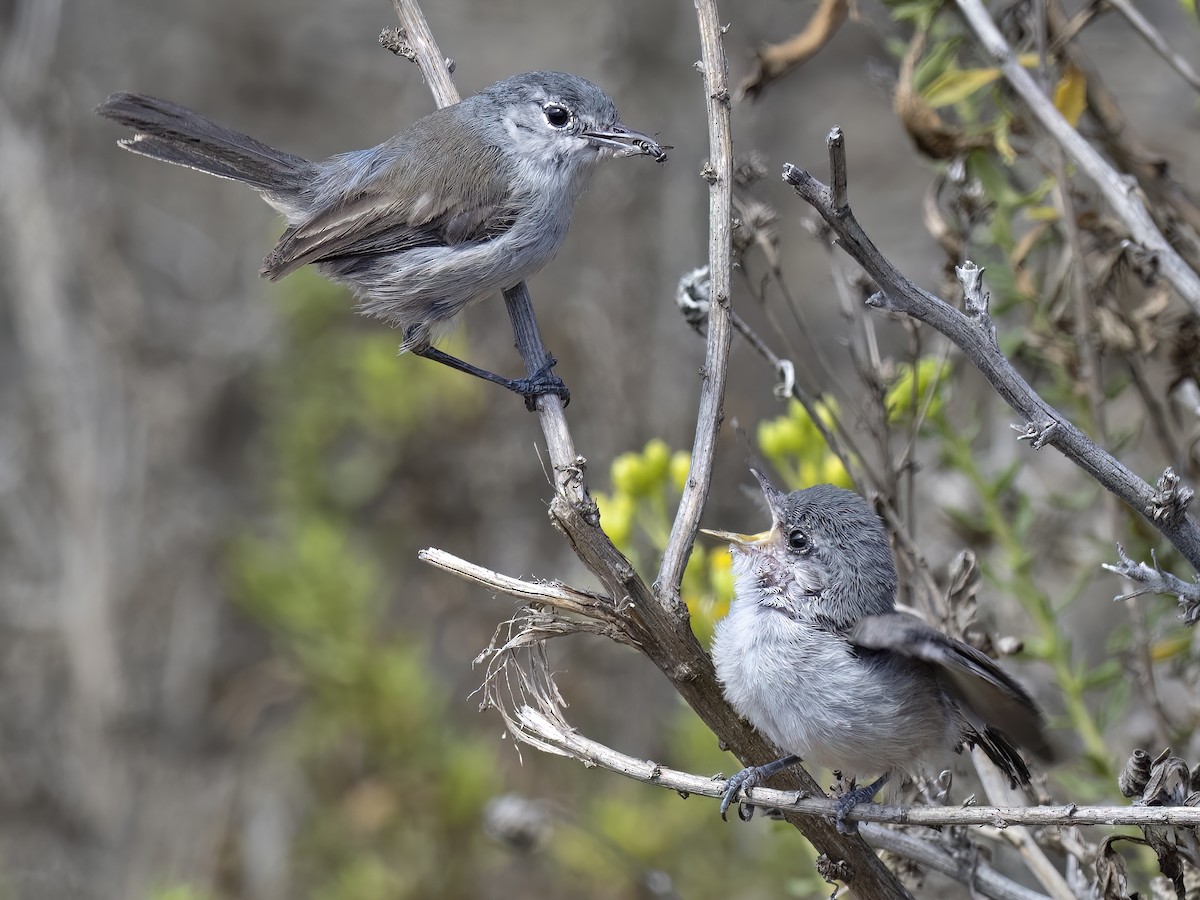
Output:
x,y
402,195
991,699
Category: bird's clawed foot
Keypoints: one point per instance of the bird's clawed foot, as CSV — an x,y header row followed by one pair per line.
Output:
x,y
542,382
851,799
743,780
750,777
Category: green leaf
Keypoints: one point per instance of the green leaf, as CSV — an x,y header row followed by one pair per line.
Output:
x,y
920,12
1003,482
941,58
1000,139
956,85
995,180
1104,674
1041,214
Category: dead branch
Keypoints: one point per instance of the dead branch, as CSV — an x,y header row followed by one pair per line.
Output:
x,y
773,61
974,333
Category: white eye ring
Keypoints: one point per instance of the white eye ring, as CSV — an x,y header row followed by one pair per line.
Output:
x,y
799,541
557,115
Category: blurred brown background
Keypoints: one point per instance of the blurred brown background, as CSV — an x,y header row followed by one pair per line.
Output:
x,y
145,726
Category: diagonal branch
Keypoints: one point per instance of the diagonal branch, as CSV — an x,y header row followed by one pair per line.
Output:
x,y
568,468
974,334
1157,42
426,54
1124,202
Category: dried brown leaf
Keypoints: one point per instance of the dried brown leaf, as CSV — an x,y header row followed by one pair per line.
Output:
x,y
773,61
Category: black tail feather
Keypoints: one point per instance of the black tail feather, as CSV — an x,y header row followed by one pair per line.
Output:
x,y
177,135
1005,756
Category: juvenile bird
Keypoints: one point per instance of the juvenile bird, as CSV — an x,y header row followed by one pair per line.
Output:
x,y
466,201
815,656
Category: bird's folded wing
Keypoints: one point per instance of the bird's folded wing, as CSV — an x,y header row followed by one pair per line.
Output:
x,y
408,202
988,694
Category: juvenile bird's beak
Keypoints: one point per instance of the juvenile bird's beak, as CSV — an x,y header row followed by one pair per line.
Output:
x,y
624,141
742,540
775,498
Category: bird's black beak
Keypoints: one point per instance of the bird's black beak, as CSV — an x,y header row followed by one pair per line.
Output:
x,y
622,141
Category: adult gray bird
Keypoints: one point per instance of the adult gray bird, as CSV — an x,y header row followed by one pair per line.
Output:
x,y
464,202
815,656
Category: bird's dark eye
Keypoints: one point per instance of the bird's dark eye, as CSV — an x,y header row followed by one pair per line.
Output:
x,y
799,541
558,116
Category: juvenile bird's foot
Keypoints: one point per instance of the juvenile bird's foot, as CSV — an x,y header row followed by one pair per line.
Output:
x,y
542,382
851,799
750,777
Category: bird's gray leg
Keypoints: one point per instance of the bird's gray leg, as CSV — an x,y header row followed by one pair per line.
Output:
x,y
750,777
851,799
542,382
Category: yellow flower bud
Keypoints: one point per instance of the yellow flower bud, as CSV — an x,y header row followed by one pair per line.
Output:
x,y
657,458
616,517
628,475
681,466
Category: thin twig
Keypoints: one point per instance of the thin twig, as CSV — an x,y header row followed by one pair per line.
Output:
x,y
773,61
1155,581
593,753
426,53
977,874
851,461
1168,198
1091,374
905,542
550,593
996,787
1156,41
1090,366
719,174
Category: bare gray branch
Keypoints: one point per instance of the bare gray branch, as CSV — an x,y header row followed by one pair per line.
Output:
x,y
719,174
1155,581
977,341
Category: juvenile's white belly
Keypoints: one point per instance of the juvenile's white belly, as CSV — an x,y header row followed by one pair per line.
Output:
x,y
809,692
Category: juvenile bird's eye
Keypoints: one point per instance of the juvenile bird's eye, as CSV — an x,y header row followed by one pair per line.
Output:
x,y
557,115
799,541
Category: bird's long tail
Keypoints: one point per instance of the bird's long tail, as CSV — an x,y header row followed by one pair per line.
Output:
x,y
169,132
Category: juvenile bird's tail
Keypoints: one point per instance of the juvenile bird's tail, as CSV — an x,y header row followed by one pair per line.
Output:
x,y
177,135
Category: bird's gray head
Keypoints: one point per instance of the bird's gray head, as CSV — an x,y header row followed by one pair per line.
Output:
x,y
559,119
826,556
